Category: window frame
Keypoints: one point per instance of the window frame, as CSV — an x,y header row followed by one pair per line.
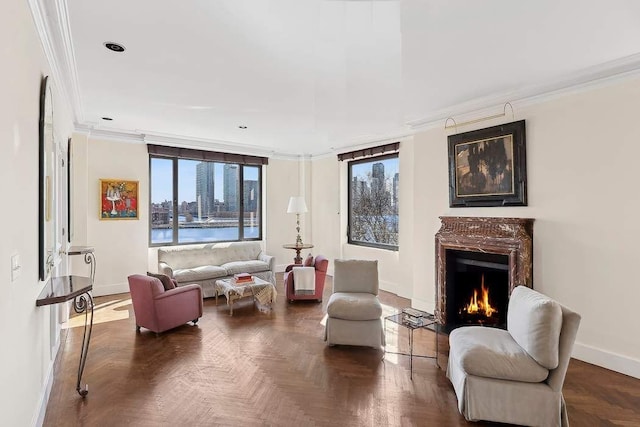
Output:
x,y
350,164
174,201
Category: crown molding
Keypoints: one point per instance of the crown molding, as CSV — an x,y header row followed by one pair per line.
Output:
x,y
588,79
51,20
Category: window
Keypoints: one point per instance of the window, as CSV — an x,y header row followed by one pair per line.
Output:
x,y
373,201
198,200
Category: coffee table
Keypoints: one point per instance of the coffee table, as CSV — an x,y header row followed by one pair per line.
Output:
x,y
262,292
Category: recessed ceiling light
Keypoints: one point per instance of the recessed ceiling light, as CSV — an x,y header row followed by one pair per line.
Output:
x,y
242,127
114,46
107,119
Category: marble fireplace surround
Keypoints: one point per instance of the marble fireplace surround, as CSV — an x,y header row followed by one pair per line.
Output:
x,y
507,236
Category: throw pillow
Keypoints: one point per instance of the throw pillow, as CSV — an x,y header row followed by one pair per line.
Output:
x,y
167,283
308,262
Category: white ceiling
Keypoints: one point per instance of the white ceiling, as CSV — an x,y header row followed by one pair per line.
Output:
x,y
309,77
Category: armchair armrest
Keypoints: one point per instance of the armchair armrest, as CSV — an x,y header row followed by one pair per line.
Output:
x,y
290,267
180,290
175,302
163,268
269,259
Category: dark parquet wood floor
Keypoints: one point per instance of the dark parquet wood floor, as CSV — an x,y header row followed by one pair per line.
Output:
x,y
273,369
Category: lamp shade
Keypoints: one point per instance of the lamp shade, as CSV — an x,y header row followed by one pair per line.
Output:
x,y
297,205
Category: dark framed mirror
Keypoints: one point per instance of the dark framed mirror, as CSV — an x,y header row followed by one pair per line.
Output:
x,y
46,226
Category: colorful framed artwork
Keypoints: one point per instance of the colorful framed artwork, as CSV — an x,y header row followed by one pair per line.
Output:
x,y
487,167
118,199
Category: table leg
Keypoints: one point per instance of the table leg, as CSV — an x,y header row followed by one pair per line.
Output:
x,y
84,304
298,258
437,344
410,353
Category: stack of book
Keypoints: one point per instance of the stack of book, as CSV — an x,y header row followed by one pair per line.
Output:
x,y
243,279
413,317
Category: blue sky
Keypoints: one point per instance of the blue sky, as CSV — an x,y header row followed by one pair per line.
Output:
x,y
162,179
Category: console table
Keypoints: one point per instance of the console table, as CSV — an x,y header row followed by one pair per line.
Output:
x,y
298,248
76,288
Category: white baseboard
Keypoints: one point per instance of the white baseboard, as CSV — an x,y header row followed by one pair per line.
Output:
x,y
606,359
45,393
116,288
388,287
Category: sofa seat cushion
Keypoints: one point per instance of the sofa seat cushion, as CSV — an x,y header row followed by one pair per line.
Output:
x,y
195,274
354,306
493,353
252,266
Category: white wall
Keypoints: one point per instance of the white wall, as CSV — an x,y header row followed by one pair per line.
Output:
x,y
121,246
27,356
285,178
325,207
582,184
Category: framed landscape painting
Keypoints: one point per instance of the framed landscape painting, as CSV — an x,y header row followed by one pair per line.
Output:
x,y
487,167
118,199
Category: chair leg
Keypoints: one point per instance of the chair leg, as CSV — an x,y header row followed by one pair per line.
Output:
x,y
195,321
137,328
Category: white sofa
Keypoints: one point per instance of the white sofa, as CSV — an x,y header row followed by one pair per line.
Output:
x,y
205,263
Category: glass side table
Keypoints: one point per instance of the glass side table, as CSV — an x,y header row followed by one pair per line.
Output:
x,y
429,323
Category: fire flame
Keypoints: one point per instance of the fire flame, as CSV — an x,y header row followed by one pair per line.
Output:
x,y
481,306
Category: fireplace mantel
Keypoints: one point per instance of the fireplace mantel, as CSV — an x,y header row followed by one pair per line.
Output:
x,y
508,236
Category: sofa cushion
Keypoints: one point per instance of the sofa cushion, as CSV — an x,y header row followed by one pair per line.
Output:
x,y
166,281
195,274
534,321
354,306
253,266
184,257
493,353
308,261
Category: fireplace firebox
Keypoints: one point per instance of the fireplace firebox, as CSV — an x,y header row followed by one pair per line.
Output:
x,y
477,288
479,261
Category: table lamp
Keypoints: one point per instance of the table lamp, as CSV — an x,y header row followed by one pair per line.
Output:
x,y
297,206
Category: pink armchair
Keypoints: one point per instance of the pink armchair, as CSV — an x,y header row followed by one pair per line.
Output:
x,y
159,310
321,264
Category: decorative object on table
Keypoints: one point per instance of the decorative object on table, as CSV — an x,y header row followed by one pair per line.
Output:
x,y
487,167
297,206
243,279
118,199
354,313
416,318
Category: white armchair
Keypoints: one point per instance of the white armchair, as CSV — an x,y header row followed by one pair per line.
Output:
x,y
354,311
515,375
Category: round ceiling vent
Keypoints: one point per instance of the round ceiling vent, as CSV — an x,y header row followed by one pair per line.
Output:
x,y
114,46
